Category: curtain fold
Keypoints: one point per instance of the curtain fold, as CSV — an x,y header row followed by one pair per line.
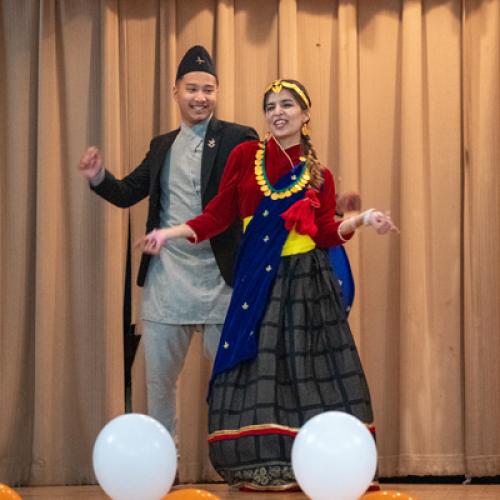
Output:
x,y
405,110
481,242
430,253
224,54
18,59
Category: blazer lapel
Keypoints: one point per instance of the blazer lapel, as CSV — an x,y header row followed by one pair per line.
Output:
x,y
210,148
157,163
161,153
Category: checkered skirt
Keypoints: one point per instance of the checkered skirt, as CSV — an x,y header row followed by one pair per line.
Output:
x,y
307,363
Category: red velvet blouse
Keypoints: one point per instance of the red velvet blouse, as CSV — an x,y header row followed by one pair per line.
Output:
x,y
239,194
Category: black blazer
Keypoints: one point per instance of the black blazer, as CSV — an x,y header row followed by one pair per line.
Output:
x,y
144,180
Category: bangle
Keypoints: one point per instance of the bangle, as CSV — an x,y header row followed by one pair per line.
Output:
x,y
193,237
352,228
366,216
341,236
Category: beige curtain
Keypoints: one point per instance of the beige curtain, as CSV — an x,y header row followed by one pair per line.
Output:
x,y
406,109
481,237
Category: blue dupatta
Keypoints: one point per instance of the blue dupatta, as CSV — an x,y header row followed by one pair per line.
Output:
x,y
256,269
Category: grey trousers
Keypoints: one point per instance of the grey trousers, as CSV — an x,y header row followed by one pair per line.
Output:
x,y
165,348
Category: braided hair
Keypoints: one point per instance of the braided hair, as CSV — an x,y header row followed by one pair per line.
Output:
x,y
312,162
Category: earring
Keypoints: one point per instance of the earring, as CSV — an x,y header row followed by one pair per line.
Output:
x,y
304,130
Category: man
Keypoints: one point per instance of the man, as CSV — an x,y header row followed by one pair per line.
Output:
x,y
186,287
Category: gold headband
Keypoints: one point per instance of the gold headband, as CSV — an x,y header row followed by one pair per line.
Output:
x,y
277,86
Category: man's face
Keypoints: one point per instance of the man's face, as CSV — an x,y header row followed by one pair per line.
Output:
x,y
196,95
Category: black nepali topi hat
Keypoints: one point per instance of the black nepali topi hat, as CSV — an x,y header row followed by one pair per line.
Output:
x,y
195,59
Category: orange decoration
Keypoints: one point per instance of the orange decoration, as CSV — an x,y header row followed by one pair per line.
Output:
x,y
190,494
7,493
387,495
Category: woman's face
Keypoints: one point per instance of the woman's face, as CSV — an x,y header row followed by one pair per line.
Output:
x,y
285,117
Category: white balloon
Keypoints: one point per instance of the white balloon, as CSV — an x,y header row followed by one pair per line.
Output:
x,y
334,457
135,458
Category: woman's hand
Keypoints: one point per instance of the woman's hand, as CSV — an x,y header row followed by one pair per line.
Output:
x,y
152,242
381,222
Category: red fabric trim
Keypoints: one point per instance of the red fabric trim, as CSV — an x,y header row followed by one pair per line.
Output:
x,y
252,432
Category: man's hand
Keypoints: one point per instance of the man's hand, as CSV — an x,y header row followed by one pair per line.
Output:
x,y
91,163
348,202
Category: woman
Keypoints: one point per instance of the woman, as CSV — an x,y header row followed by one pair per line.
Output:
x,y
286,351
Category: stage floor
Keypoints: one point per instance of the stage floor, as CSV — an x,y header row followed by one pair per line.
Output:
x,y
419,491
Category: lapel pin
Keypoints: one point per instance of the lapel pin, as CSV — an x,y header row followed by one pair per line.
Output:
x,y
211,143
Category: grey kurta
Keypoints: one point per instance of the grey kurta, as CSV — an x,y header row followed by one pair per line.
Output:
x,y
184,285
